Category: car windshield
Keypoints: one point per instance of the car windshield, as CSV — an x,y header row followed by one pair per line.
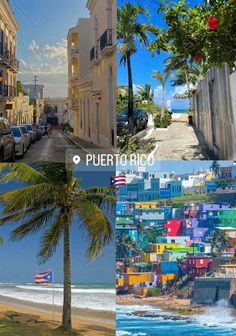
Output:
x,y
29,127
16,132
24,129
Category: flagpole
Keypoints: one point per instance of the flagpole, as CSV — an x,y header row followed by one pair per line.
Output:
x,y
53,297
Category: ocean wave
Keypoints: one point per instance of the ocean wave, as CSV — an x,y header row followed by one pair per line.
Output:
x,y
74,290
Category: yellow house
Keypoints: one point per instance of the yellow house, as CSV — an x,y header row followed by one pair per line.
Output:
x,y
9,65
131,279
160,248
92,74
146,205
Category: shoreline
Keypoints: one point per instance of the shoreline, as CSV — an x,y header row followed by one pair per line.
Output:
x,y
100,321
168,303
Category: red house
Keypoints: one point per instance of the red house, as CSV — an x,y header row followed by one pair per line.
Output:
x,y
173,227
197,266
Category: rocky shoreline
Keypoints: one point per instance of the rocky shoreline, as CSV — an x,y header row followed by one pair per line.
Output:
x,y
168,303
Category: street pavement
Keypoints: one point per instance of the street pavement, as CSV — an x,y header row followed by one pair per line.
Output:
x,y
49,149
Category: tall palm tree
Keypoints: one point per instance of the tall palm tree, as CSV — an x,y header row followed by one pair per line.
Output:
x,y
146,92
130,31
162,78
51,198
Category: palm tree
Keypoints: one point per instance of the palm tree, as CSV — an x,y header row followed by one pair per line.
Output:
x,y
219,242
1,241
49,201
131,31
146,92
124,245
215,167
162,78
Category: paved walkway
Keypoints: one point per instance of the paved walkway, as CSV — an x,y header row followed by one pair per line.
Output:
x,y
178,142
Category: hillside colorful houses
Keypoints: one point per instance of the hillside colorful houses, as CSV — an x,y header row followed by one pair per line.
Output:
x,y
163,247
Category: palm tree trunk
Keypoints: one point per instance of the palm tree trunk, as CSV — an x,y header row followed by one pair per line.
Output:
x,y
163,102
130,91
66,318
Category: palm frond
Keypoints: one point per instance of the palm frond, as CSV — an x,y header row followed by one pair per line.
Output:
x,y
51,239
33,225
20,172
97,226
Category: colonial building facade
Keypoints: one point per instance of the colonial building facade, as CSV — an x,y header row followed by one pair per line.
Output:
x,y
92,74
9,65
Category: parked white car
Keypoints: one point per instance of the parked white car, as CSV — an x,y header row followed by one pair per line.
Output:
x,y
21,141
27,135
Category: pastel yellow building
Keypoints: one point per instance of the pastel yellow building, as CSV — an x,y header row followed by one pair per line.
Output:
x,y
9,65
160,248
131,279
92,74
146,205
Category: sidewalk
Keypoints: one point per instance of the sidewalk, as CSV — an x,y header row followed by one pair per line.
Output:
x,y
178,142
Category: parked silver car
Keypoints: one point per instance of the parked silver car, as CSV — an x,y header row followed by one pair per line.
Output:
x,y
7,143
31,132
21,141
27,135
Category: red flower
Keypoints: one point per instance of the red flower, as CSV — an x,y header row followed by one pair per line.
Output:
x,y
213,23
197,57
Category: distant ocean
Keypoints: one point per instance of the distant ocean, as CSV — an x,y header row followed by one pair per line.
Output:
x,y
180,110
217,321
96,297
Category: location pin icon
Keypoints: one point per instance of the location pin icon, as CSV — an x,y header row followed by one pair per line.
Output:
x,y
76,159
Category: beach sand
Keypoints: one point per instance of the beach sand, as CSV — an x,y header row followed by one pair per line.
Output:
x,y
91,322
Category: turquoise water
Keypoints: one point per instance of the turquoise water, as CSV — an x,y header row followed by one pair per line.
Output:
x,y
179,110
217,321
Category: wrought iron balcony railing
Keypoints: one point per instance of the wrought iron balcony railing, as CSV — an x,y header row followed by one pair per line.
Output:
x,y
8,59
106,39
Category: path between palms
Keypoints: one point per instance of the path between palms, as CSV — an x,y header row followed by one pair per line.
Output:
x,y
179,142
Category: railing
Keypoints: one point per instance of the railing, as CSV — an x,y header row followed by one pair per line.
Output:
x,y
8,91
7,58
106,39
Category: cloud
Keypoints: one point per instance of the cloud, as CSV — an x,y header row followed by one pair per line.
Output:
x,y
34,48
58,50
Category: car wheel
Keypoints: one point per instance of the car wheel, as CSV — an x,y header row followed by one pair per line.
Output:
x,y
2,154
23,152
135,130
13,157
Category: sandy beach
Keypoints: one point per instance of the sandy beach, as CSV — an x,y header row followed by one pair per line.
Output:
x,y
166,302
92,322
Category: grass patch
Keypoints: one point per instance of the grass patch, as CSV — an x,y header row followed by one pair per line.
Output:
x,y
16,329
178,201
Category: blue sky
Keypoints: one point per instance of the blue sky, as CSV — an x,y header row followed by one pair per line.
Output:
x,y
143,63
18,259
42,36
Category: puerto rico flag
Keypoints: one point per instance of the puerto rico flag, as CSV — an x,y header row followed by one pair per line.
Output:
x,y
43,278
117,181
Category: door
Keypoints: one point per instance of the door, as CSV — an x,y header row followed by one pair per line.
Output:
x,y
98,122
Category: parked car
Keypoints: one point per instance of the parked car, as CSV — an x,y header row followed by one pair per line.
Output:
x,y
39,133
21,142
31,132
7,143
140,121
27,136
43,129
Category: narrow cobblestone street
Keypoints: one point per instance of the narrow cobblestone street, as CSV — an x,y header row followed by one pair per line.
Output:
x,y
178,142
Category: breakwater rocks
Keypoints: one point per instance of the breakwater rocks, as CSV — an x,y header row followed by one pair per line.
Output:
x,y
146,314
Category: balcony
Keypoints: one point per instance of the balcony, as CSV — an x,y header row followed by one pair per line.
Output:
x,y
74,102
106,40
9,60
8,91
74,51
93,54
